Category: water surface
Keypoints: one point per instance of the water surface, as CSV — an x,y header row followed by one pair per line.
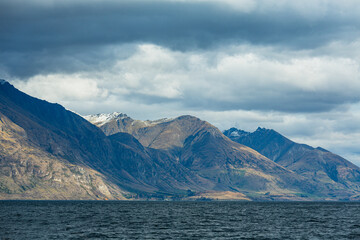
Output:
x,y
178,220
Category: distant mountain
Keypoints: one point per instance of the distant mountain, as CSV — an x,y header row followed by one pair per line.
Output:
x,y
314,163
203,149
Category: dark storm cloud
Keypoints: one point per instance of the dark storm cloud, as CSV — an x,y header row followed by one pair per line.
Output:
x,y
68,59
179,25
39,30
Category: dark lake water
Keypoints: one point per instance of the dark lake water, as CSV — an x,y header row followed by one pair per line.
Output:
x,y
178,220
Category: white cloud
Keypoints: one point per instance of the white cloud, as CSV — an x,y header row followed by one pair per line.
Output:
x,y
59,87
247,78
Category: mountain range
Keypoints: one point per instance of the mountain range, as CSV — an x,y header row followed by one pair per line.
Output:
x,y
48,152
314,163
326,174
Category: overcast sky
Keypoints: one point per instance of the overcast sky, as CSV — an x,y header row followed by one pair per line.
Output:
x,y
288,65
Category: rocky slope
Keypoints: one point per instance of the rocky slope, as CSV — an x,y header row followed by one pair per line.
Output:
x,y
28,172
315,163
67,137
203,149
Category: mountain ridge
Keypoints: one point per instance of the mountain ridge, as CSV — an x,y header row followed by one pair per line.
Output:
x,y
307,161
48,152
69,137
202,148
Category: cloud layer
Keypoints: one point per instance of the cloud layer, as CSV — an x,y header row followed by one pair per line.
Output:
x,y
238,77
38,36
288,65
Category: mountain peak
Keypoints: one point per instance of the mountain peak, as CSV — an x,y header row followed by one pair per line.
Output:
x,y
234,132
102,118
260,129
2,82
237,133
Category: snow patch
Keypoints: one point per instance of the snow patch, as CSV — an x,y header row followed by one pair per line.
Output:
x,y
235,134
102,118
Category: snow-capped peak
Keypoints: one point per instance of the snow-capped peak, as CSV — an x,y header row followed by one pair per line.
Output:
x,y
102,118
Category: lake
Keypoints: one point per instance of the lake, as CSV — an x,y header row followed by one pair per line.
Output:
x,y
178,220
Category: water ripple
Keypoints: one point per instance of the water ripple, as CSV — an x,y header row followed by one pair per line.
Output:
x,y
177,220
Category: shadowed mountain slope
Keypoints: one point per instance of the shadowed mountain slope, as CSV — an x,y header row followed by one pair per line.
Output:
x,y
314,163
29,172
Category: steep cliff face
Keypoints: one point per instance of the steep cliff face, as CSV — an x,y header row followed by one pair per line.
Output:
x,y
28,172
315,163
